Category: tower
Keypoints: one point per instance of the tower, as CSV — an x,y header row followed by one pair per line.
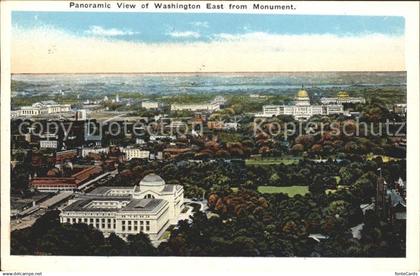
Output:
x,y
380,201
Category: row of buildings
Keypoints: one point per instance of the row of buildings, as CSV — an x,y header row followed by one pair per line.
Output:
x,y
302,109
212,106
41,108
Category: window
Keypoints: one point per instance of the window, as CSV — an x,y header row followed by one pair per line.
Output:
x,y
141,228
123,222
147,222
129,222
129,228
97,225
123,228
109,225
103,225
135,222
147,228
135,228
149,196
141,222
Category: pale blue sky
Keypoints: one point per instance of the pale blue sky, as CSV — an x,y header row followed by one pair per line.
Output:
x,y
189,42
172,27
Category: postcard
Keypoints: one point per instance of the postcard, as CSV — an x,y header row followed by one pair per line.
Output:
x,y
262,133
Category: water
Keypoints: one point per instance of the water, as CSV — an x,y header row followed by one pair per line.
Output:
x,y
200,83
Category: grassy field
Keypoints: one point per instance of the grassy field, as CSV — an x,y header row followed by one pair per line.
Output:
x,y
165,235
385,158
339,187
337,179
272,161
290,190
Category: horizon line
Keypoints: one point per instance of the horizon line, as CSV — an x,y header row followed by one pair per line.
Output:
x,y
203,73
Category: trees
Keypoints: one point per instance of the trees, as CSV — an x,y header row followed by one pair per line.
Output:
x,y
318,185
49,237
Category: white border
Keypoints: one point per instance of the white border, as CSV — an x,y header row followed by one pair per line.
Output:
x,y
410,10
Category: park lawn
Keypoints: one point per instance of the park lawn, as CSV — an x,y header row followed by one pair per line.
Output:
x,y
271,161
289,190
165,235
385,158
337,179
339,187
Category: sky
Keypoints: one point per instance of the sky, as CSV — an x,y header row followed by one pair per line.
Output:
x,y
88,42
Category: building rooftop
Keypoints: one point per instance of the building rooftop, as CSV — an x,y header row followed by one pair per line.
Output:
x,y
139,205
396,198
342,94
104,189
302,94
152,179
144,205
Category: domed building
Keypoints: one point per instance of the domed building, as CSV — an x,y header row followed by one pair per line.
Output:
x,y
151,182
342,98
302,108
302,97
148,207
342,95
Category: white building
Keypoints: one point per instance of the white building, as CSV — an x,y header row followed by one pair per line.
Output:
x,y
230,126
214,105
140,141
177,124
302,108
149,207
131,153
41,108
150,105
219,100
342,98
81,115
161,137
86,151
48,144
196,107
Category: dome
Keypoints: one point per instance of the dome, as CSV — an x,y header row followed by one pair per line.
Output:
x,y
152,180
342,94
302,94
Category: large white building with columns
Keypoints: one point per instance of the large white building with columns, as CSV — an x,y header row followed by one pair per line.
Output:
x,y
41,108
149,207
302,109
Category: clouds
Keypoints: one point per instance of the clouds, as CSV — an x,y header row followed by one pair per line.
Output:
x,y
185,34
223,52
200,24
95,30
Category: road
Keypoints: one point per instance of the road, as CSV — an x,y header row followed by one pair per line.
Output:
x,y
21,223
203,203
115,117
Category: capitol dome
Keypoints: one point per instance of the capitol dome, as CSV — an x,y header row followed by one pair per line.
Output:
x,y
152,180
302,97
302,94
342,94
